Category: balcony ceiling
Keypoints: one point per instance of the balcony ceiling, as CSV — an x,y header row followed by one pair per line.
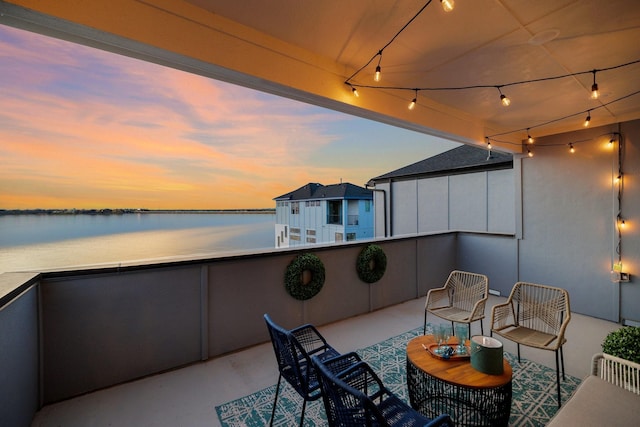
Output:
x,y
481,42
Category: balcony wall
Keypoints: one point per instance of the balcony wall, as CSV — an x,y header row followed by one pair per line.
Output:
x,y
69,333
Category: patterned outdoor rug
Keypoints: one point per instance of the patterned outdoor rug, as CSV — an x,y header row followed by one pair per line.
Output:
x,y
533,403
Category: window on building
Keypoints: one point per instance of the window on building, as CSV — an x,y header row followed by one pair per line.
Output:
x,y
295,208
351,236
334,212
339,237
367,205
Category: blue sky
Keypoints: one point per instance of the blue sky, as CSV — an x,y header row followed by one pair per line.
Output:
x,y
83,128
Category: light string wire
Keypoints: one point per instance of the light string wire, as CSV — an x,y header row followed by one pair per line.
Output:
x,y
619,217
594,71
492,137
385,46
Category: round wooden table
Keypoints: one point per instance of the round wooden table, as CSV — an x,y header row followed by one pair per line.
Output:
x,y
454,387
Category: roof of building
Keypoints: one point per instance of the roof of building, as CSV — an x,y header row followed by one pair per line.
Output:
x,y
463,159
314,191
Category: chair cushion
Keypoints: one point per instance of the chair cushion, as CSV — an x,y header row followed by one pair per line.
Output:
x,y
451,313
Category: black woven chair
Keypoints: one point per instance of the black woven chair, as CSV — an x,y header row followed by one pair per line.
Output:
x,y
353,395
294,349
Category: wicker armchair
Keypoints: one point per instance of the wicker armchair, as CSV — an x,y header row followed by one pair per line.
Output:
x,y
536,316
462,299
294,349
353,395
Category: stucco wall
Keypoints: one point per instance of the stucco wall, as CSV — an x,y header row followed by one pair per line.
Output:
x,y
569,211
558,209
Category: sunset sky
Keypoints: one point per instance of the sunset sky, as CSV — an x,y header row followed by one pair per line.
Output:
x,y
83,128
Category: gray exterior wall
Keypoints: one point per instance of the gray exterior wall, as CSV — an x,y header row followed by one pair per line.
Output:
x,y
475,202
19,359
556,210
569,210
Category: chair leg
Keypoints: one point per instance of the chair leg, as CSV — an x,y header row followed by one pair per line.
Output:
x,y
275,400
518,345
558,378
469,328
424,328
481,327
562,362
304,406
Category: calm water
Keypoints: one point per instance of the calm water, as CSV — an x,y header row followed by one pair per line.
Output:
x,y
34,242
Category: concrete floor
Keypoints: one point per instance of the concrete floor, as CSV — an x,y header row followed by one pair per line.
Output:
x,y
188,396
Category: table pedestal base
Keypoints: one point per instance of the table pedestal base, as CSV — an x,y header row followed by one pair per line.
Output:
x,y
466,406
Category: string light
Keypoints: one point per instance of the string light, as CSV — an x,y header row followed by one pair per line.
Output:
x,y
355,92
571,149
529,138
412,105
594,87
611,141
488,143
447,5
529,152
503,98
587,121
621,223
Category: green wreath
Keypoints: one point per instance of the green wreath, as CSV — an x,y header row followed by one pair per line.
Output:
x,y
371,264
304,276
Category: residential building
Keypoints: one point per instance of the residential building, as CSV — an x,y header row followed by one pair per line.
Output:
x,y
464,189
316,213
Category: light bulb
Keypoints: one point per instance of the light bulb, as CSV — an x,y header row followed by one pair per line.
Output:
x,y
489,144
529,153
505,101
529,137
376,77
611,141
355,92
571,149
413,104
587,120
448,5
594,91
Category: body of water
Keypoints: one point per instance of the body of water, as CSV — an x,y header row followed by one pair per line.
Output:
x,y
42,242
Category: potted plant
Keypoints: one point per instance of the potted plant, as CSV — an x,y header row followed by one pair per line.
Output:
x,y
623,343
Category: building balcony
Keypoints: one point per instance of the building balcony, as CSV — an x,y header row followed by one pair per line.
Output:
x,y
164,344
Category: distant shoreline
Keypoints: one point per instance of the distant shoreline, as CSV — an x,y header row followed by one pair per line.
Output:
x,y
131,211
